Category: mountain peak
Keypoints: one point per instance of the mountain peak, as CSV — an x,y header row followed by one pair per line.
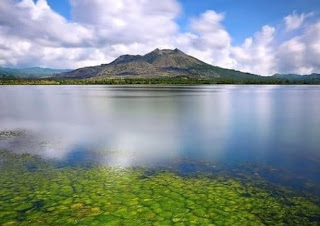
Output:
x,y
165,51
149,57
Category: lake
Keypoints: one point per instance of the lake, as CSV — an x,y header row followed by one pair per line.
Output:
x,y
135,155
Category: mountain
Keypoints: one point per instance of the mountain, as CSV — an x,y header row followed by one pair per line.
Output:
x,y
33,72
158,63
297,77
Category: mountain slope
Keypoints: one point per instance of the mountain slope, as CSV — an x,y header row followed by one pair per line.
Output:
x,y
158,63
33,72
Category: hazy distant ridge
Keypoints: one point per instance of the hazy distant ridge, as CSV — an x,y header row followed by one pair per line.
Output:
x,y
32,72
297,76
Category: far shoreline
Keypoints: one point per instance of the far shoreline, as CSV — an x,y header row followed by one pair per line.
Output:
x,y
158,81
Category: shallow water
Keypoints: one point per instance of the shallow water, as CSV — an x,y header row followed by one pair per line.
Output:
x,y
254,137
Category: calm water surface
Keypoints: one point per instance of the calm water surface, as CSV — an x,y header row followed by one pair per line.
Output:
x,y
271,126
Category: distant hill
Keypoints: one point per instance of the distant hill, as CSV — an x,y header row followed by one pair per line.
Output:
x,y
296,77
287,76
156,64
33,72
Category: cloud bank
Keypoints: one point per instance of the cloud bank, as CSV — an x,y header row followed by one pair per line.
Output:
x,y
32,34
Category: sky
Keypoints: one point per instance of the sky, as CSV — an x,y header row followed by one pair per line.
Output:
x,y
262,37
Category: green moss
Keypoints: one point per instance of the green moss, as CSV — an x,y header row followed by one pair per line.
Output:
x,y
108,196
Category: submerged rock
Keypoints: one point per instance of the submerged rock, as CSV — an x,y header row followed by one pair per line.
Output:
x,y
108,196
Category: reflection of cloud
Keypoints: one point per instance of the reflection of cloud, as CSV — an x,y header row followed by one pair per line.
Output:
x,y
262,113
208,122
140,147
61,119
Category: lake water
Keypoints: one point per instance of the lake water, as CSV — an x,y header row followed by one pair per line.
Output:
x,y
271,133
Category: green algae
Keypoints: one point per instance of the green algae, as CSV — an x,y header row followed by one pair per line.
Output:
x,y
47,195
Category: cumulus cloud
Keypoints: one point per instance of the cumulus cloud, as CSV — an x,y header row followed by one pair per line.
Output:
x,y
32,34
211,41
37,22
127,21
207,39
211,33
268,51
255,55
301,54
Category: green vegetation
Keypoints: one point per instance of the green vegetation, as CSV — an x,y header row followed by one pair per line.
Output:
x,y
160,81
20,81
34,191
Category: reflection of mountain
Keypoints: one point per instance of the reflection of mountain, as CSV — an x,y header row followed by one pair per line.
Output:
x,y
158,63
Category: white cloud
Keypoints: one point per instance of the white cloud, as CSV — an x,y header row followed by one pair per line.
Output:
x,y
301,54
255,55
208,40
38,23
32,34
127,21
295,21
269,51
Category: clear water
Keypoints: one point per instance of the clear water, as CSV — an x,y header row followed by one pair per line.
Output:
x,y
157,155
274,126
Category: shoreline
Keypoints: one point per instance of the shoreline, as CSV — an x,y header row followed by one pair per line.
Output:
x,y
155,82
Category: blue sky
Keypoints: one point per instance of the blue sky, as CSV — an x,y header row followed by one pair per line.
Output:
x,y
258,36
243,17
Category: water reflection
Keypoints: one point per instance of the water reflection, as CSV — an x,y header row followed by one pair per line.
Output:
x,y
274,125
